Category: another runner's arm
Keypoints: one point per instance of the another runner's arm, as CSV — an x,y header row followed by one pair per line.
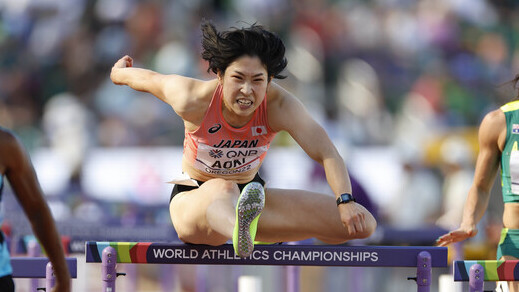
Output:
x,y
487,166
22,178
491,133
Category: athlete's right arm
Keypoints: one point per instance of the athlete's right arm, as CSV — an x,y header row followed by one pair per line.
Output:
x,y
490,134
123,73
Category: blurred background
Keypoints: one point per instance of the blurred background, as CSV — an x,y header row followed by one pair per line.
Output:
x,y
400,86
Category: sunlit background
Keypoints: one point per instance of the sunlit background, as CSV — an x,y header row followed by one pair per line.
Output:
x,y
400,86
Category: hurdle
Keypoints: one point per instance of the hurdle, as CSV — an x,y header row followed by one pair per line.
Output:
x,y
423,258
40,267
476,272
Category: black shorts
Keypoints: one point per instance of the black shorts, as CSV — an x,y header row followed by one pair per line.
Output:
x,y
7,284
182,188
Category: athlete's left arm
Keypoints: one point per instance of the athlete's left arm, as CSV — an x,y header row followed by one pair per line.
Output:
x,y
287,113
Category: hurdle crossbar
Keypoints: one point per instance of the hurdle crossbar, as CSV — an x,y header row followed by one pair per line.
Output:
x,y
35,267
494,270
293,255
423,258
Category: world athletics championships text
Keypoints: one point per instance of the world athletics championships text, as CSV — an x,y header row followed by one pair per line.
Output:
x,y
265,255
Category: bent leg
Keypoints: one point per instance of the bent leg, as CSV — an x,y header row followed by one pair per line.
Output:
x,y
293,215
205,215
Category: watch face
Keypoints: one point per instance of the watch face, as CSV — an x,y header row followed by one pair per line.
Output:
x,y
345,198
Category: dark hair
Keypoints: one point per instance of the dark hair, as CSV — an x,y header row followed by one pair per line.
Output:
x,y
514,83
222,48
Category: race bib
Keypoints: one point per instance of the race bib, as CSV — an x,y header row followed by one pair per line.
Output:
x,y
227,161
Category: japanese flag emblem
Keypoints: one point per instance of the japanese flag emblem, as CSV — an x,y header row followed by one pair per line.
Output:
x,y
259,130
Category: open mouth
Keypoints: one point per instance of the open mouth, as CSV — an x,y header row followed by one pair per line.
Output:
x,y
244,102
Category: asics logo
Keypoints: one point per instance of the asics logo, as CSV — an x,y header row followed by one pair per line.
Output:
x,y
214,128
216,153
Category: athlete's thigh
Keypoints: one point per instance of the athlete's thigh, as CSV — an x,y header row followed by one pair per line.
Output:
x,y
299,212
190,207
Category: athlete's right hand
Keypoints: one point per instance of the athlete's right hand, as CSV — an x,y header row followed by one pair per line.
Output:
x,y
457,235
124,62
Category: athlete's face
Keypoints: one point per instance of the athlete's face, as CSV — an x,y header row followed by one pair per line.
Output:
x,y
245,83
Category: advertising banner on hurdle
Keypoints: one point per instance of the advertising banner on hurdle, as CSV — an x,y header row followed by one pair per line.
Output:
x,y
301,255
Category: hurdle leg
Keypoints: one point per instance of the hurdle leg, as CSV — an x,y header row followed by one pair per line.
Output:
x,y
50,279
236,272
249,284
167,273
423,272
476,278
292,274
33,250
109,274
132,277
201,278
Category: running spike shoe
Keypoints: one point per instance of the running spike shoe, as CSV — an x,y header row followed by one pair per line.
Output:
x,y
248,210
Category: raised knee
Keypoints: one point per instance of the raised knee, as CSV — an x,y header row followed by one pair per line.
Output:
x,y
184,233
184,237
346,236
371,226
365,233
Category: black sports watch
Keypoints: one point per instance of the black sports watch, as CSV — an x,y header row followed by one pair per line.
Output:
x,y
345,198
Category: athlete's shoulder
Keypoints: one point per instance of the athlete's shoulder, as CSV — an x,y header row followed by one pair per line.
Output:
x,y
196,96
492,130
197,91
510,106
7,139
11,149
494,118
192,105
205,88
189,87
279,97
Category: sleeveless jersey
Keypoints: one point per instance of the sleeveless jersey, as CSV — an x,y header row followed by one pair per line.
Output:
x,y
510,155
218,149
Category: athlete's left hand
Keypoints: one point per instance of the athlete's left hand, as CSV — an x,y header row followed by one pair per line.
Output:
x,y
353,218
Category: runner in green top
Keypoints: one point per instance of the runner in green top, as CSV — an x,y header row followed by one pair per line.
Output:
x,y
498,145
509,156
